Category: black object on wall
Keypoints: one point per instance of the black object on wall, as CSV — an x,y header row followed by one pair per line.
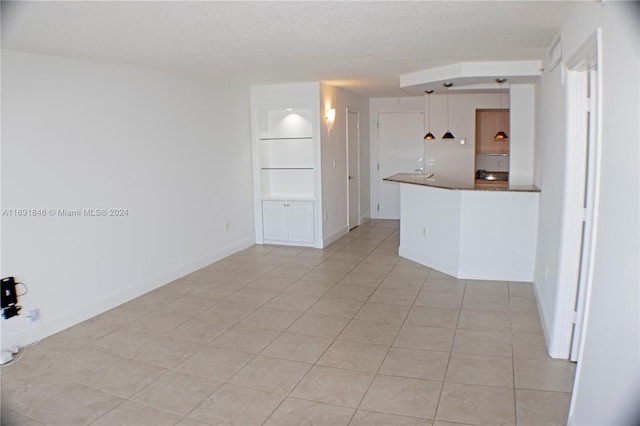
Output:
x,y
9,298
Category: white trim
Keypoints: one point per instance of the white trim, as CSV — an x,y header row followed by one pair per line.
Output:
x,y
596,41
431,262
561,332
56,325
348,110
335,236
554,54
569,255
465,273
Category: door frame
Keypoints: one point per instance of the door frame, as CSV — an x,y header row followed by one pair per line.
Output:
x,y
577,252
348,110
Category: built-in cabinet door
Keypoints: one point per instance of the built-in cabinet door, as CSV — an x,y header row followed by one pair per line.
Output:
x,y
275,220
288,221
300,221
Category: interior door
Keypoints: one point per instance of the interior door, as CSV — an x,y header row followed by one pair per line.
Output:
x,y
400,150
353,169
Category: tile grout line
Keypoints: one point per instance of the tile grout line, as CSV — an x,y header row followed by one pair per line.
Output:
x,y
450,352
390,346
322,354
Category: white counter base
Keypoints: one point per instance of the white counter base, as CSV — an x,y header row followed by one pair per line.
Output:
x,y
469,234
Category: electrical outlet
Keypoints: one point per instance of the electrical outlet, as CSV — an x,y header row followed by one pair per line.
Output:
x,y
32,315
326,217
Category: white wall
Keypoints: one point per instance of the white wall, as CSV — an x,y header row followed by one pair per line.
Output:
x,y
522,134
549,177
607,385
174,151
377,106
334,160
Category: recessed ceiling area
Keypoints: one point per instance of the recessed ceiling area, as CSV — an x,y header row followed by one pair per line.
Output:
x,y
364,47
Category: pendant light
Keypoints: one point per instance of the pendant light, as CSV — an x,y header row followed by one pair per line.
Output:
x,y
448,134
429,136
501,135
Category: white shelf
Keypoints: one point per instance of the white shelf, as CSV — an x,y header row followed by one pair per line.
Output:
x,y
285,123
286,153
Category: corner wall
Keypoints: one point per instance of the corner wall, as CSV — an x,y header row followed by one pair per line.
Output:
x,y
607,385
334,160
173,151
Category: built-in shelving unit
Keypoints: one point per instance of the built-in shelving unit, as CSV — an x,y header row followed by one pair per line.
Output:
x,y
285,150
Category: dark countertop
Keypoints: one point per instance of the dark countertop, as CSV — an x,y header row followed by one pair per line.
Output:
x,y
429,179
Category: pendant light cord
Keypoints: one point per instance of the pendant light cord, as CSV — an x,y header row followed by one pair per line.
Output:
x,y
448,112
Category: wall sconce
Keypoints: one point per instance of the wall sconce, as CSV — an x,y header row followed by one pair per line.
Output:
x,y
330,116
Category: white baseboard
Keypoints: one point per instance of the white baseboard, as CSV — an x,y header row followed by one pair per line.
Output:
x,y
541,313
428,261
45,329
476,273
335,236
466,273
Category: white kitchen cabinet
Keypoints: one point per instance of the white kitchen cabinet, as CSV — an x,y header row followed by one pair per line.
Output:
x,y
288,222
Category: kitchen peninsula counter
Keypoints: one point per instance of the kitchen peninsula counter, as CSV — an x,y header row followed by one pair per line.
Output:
x,y
429,179
468,230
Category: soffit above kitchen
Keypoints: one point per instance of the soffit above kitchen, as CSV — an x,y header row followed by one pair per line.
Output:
x,y
362,46
472,76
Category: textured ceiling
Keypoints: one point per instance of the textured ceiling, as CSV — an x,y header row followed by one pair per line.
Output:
x,y
361,46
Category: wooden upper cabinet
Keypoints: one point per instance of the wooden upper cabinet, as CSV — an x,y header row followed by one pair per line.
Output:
x,y
488,123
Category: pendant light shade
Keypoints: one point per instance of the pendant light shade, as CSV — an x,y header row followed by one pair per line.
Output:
x,y
501,135
448,134
429,136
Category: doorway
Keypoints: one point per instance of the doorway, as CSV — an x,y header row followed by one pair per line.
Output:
x,y
353,168
583,80
400,150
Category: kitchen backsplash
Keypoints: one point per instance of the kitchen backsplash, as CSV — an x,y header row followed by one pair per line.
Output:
x,y
492,162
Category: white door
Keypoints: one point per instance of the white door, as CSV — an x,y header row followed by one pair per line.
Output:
x,y
300,221
275,220
400,150
353,169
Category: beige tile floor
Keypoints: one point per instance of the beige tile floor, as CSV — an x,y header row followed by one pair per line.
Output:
x,y
352,334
